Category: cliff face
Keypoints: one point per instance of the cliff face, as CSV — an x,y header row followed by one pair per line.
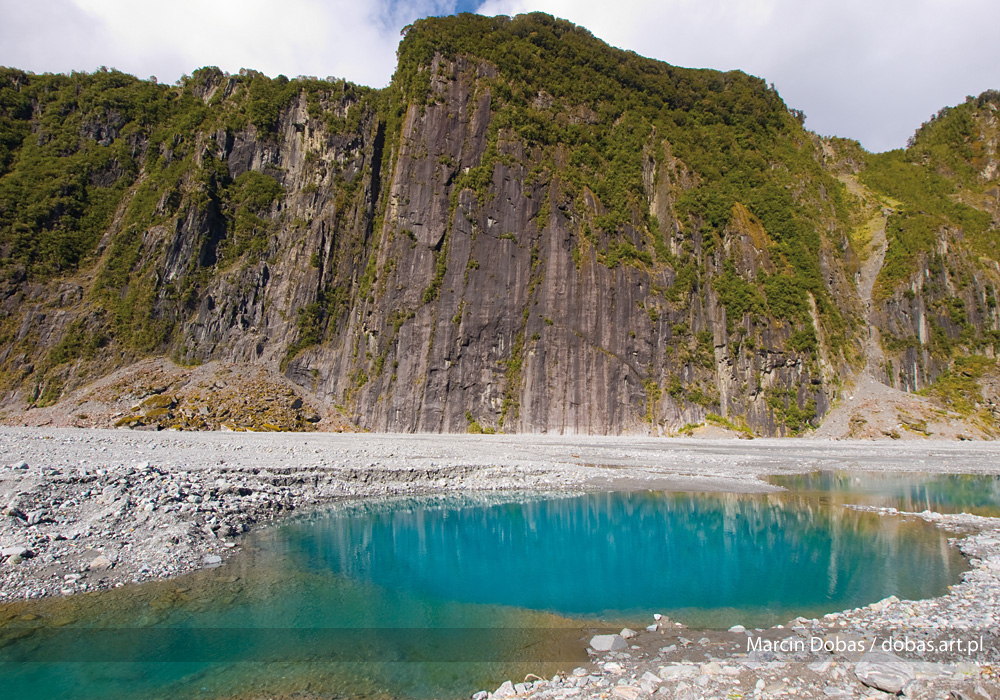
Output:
x,y
936,295
495,241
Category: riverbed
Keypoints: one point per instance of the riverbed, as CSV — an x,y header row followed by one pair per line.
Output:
x,y
86,511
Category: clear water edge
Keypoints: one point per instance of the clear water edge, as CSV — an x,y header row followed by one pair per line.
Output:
x,y
266,575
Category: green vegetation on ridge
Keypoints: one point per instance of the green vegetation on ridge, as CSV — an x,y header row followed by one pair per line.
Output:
x,y
561,90
695,187
941,167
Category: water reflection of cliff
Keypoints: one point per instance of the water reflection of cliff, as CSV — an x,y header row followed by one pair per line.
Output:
x,y
620,552
913,492
411,568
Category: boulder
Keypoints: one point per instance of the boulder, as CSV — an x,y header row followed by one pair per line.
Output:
x,y
504,691
101,563
884,671
608,642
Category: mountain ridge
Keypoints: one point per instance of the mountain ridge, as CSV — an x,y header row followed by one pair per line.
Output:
x,y
528,230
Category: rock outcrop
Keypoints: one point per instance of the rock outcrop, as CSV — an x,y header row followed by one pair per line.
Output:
x,y
481,245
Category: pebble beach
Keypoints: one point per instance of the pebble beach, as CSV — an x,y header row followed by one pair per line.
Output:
x,y
88,510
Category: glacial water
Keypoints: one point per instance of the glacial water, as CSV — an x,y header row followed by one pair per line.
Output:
x,y
438,597
978,494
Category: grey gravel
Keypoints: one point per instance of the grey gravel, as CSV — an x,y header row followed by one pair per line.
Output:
x,y
103,508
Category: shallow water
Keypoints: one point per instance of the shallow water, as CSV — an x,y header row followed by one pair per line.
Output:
x,y
438,597
978,494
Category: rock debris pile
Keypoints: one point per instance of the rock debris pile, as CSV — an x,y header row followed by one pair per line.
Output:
x,y
71,523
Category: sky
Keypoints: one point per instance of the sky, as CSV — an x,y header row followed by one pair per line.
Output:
x,y
871,70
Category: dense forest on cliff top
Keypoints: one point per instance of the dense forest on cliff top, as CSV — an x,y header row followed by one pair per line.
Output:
x,y
528,230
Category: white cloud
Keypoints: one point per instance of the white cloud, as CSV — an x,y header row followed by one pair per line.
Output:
x,y
867,69
356,40
40,36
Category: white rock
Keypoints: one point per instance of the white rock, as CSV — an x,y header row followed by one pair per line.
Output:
x,y
506,690
929,669
711,668
651,678
820,667
100,563
675,671
628,634
608,642
738,629
626,692
23,552
884,671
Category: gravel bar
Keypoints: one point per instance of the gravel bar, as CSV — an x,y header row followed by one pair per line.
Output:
x,y
90,509
85,510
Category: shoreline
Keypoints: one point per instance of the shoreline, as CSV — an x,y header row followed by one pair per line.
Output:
x,y
917,649
97,509
94,509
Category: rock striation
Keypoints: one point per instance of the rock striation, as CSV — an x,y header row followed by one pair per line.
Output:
x,y
527,231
